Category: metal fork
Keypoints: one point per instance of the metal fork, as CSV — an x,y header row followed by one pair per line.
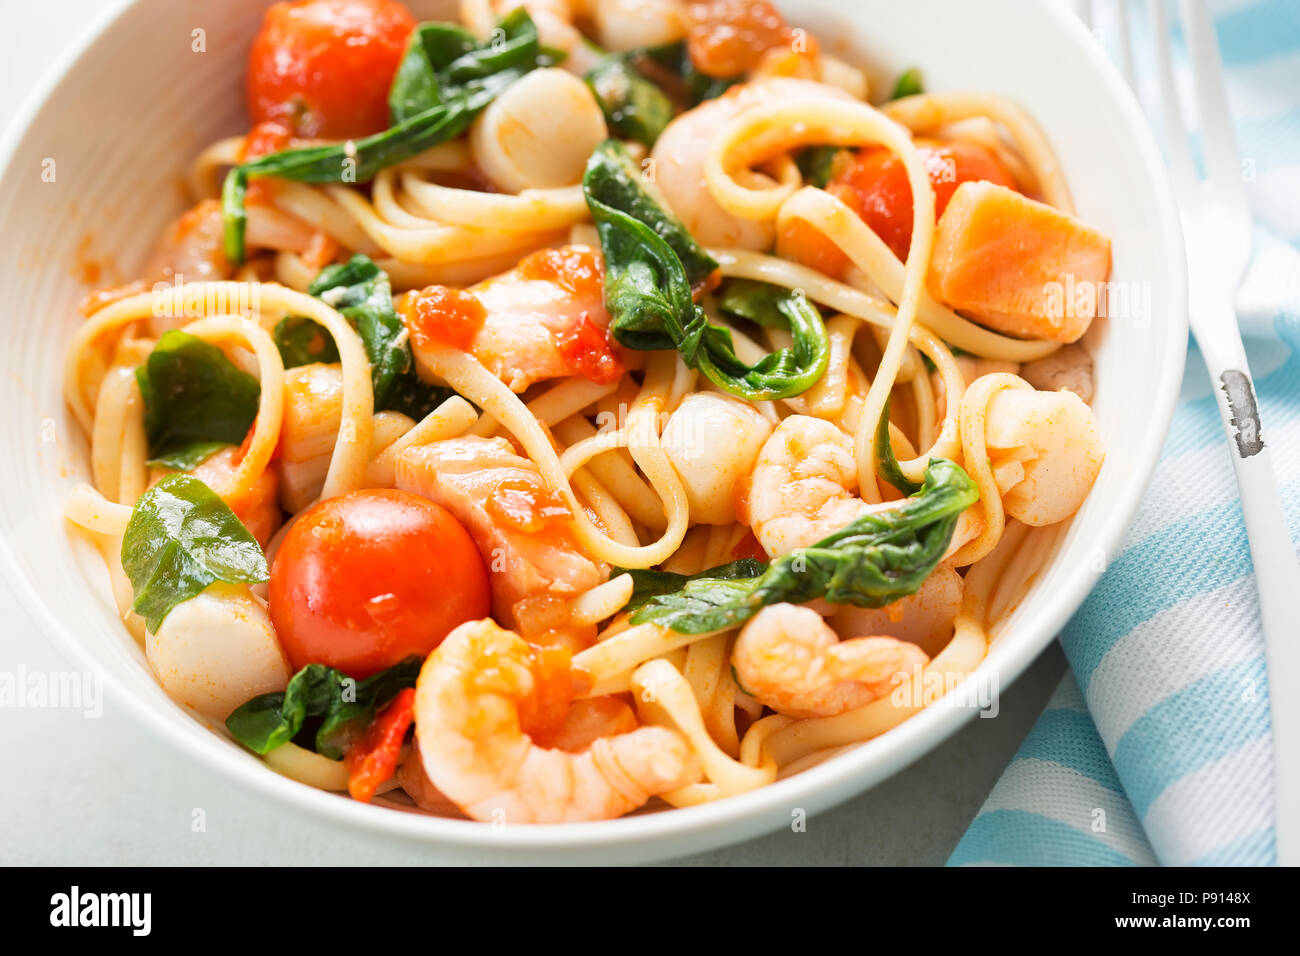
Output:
x,y
1217,228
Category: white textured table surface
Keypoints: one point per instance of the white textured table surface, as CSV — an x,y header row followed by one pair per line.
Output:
x,y
99,791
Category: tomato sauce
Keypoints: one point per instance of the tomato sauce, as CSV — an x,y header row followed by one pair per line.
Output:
x,y
728,37
587,351
529,508
575,269
262,140
584,347
440,315
542,713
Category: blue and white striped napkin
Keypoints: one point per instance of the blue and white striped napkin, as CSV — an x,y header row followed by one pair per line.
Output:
x,y
1156,748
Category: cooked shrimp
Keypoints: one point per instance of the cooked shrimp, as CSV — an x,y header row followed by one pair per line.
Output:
x,y
924,618
543,319
313,414
801,488
1069,367
790,659
679,154
192,248
1045,452
589,719
522,529
477,702
313,410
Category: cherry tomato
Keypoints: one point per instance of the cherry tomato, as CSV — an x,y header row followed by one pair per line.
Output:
x,y
264,138
366,579
876,187
323,68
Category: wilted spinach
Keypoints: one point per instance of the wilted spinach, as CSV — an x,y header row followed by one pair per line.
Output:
x,y
195,400
343,705
181,538
302,341
652,265
634,107
360,290
879,558
446,79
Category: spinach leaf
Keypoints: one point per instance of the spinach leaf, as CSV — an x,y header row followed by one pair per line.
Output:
x,y
181,538
634,107
675,60
417,85
302,341
759,302
613,179
651,263
445,80
909,84
817,164
886,463
195,400
360,290
648,583
878,558
343,705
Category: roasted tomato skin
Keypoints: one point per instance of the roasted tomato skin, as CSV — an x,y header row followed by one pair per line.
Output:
x,y
366,579
322,68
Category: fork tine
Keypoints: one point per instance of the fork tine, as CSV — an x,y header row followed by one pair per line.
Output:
x,y
1083,10
1126,45
1219,142
1179,154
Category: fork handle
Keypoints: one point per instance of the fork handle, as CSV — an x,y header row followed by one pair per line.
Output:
x,y
1277,578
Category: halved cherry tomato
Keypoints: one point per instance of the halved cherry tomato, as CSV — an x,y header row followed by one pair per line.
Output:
x,y
366,579
323,67
874,185
373,758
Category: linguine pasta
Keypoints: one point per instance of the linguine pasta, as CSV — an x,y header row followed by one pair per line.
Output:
x,y
647,437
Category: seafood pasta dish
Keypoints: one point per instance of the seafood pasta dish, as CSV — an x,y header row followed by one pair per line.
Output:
x,y
586,406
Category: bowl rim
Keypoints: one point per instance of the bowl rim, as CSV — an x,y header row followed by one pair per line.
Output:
x,y
646,835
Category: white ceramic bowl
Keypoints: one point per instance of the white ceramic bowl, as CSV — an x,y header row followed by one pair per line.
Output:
x,y
122,115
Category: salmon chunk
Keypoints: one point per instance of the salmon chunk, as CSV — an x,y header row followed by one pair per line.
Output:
x,y
1018,266
522,529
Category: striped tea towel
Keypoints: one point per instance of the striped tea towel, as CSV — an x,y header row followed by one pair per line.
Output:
x,y
1156,747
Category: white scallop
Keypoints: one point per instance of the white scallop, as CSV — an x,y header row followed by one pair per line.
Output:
x,y
539,132
634,24
217,650
713,440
